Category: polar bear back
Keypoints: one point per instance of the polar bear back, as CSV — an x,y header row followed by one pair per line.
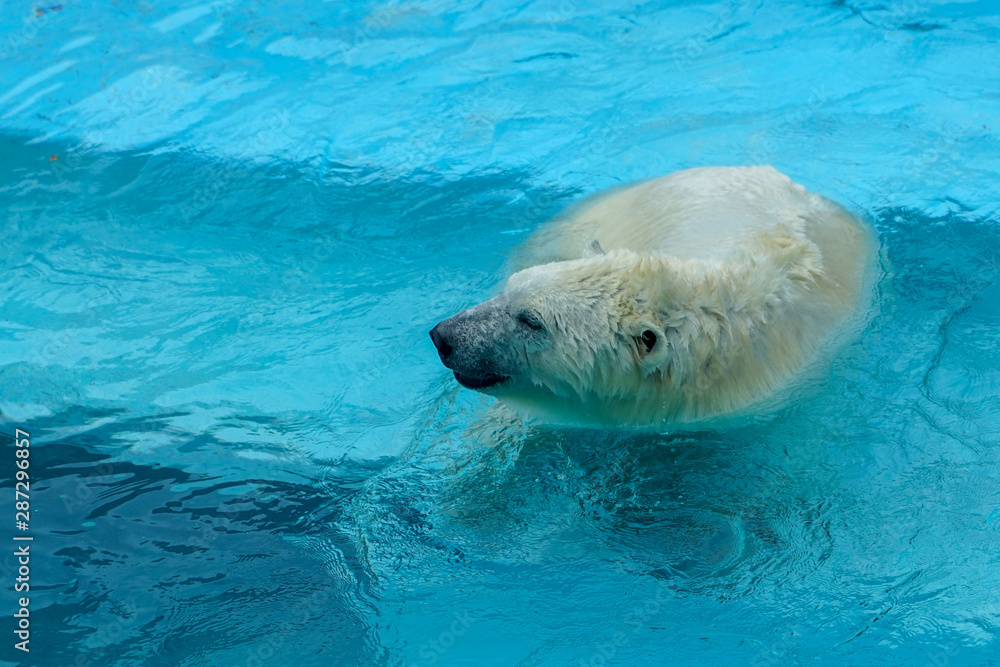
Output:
x,y
687,214
712,212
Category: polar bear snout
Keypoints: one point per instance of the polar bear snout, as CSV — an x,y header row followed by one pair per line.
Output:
x,y
467,344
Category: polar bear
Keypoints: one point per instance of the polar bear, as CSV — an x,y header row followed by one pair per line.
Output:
x,y
667,302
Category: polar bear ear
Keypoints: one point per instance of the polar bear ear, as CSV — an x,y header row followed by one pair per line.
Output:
x,y
592,249
650,343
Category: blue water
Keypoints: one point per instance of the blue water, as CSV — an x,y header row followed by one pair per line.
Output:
x,y
227,228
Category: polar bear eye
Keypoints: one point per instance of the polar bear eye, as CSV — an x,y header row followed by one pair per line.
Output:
x,y
531,319
648,339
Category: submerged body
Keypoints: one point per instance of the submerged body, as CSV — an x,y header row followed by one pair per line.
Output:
x,y
696,295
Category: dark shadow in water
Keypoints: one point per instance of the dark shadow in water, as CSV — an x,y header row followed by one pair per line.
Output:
x,y
888,15
137,564
690,506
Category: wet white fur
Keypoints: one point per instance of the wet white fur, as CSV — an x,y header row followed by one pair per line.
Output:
x,y
741,274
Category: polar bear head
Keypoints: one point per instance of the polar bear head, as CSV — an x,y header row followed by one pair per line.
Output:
x,y
568,340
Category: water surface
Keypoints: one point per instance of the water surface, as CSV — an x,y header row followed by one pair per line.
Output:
x,y
228,227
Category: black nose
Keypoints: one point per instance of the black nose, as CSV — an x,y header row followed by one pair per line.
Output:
x,y
441,336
